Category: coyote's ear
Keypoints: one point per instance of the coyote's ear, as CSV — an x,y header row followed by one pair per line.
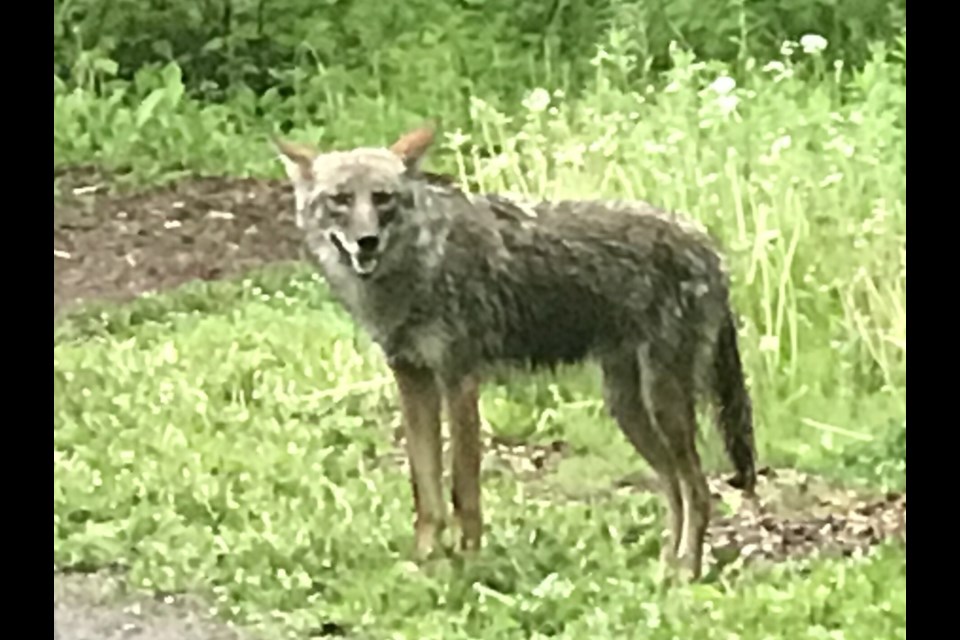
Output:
x,y
412,146
297,160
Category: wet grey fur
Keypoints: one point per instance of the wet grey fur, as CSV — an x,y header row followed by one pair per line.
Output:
x,y
463,282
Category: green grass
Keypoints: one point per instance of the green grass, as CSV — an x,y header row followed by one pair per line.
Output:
x,y
240,449
233,438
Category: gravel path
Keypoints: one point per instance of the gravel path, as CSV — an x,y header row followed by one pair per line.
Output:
x,y
97,607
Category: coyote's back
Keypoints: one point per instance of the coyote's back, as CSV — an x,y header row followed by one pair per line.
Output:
x,y
449,284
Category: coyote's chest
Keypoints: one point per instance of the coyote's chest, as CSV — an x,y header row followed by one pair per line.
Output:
x,y
391,316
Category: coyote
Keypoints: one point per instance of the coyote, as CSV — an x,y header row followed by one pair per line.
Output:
x,y
450,285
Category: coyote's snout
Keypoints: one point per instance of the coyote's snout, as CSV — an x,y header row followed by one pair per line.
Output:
x,y
450,285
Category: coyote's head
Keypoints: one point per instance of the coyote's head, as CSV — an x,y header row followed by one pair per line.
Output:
x,y
348,202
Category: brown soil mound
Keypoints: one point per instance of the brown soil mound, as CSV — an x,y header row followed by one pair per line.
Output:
x,y
116,246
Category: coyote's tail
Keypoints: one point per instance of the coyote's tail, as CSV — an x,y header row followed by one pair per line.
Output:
x,y
736,411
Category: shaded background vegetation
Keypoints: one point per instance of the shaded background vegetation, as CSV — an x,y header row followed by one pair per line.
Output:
x,y
431,55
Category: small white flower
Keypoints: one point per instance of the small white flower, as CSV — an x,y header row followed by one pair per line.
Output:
x,y
653,148
478,103
601,57
456,139
813,44
572,155
781,143
774,66
728,104
769,343
787,48
780,70
723,85
831,179
499,162
537,101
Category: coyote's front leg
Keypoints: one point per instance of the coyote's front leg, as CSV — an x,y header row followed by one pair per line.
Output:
x,y
420,404
462,404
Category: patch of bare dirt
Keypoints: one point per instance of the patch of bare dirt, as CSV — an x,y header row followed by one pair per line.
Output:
x,y
793,515
798,515
116,246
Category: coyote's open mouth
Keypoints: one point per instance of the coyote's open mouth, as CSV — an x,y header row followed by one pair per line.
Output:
x,y
364,265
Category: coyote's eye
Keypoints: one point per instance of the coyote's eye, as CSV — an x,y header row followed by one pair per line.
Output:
x,y
341,200
383,199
